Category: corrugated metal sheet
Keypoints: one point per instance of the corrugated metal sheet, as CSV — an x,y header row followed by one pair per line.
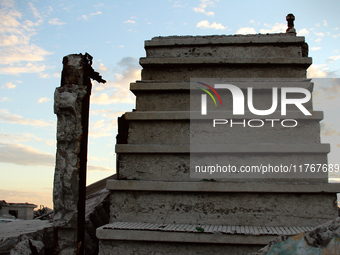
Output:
x,y
213,229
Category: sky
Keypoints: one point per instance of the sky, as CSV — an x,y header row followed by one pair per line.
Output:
x,y
36,35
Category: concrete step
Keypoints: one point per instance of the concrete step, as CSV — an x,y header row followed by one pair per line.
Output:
x,y
251,148
218,203
226,46
110,243
174,162
184,72
243,83
185,131
259,50
182,69
196,115
281,61
167,127
273,39
145,238
176,96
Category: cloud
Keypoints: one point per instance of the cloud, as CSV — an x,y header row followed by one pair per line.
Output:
x,y
277,28
246,30
100,67
5,116
333,58
34,10
329,130
57,74
104,128
131,20
97,158
117,91
335,36
102,112
315,48
205,24
96,134
302,32
318,40
95,13
43,100
28,68
116,114
203,5
25,137
327,91
56,22
178,5
86,17
319,34
44,76
325,23
8,85
317,71
17,53
98,169
29,196
98,124
28,155
7,4
4,99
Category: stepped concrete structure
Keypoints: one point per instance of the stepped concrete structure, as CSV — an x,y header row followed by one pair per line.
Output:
x,y
159,206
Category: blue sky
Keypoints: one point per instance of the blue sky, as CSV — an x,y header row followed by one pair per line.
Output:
x,y
36,35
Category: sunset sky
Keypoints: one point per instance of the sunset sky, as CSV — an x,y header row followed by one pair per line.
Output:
x,y
36,35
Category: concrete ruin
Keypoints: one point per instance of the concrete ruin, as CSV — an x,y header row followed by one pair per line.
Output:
x,y
71,104
324,239
156,208
22,211
15,237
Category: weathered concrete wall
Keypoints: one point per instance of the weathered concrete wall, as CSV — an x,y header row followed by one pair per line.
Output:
x,y
175,166
163,248
171,132
248,209
175,101
183,73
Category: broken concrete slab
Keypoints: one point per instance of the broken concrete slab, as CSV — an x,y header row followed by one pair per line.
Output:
x,y
13,233
324,239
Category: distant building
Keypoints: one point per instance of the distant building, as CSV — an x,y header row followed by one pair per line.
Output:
x,y
18,210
